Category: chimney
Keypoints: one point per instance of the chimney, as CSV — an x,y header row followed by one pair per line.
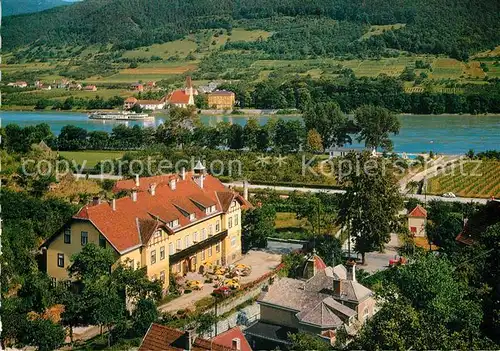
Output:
x,y
245,190
183,173
113,204
96,200
351,270
337,287
189,337
136,180
134,195
152,189
236,344
172,184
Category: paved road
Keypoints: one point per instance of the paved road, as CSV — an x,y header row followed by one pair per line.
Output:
x,y
336,191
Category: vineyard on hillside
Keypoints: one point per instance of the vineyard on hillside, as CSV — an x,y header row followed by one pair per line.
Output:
x,y
472,179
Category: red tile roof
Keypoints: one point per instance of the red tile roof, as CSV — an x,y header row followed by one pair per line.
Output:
x,y
226,339
131,99
178,97
418,211
131,224
160,338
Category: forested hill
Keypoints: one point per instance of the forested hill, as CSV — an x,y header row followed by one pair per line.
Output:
x,y
455,27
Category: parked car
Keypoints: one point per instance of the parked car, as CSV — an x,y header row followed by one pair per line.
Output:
x,y
450,195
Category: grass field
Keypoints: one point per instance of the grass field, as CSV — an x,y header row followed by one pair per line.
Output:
x,y
89,159
380,29
198,44
474,180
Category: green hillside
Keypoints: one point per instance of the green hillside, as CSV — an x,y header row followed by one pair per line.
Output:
x,y
310,28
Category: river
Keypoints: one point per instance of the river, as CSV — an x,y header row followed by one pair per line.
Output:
x,y
447,134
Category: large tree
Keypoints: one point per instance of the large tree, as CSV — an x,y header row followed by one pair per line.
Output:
x,y
375,124
257,226
424,306
332,125
370,205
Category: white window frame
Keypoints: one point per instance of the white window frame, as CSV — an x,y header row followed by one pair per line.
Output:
x,y
86,236
217,226
236,219
230,222
178,245
162,253
152,256
60,260
171,249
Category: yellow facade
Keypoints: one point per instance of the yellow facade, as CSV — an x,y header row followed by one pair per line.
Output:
x,y
59,247
156,254
221,101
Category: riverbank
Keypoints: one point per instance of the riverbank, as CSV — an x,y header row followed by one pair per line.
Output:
x,y
444,134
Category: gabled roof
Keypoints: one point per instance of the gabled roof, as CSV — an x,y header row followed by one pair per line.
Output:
x,y
161,338
178,97
418,212
132,223
226,339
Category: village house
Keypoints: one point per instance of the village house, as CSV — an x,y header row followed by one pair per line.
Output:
x,y
90,88
151,85
221,100
74,86
137,87
329,299
129,103
170,224
63,84
163,338
183,97
417,221
151,105
19,84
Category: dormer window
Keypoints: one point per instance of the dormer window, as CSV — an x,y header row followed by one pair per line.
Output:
x,y
192,216
210,209
173,224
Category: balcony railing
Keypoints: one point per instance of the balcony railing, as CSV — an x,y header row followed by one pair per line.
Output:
x,y
179,256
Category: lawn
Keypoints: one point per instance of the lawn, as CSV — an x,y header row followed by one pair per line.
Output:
x,y
289,227
474,180
90,158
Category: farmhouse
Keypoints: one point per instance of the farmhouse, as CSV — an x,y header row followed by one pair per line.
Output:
x,y
170,224
183,97
90,88
221,99
19,84
137,87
